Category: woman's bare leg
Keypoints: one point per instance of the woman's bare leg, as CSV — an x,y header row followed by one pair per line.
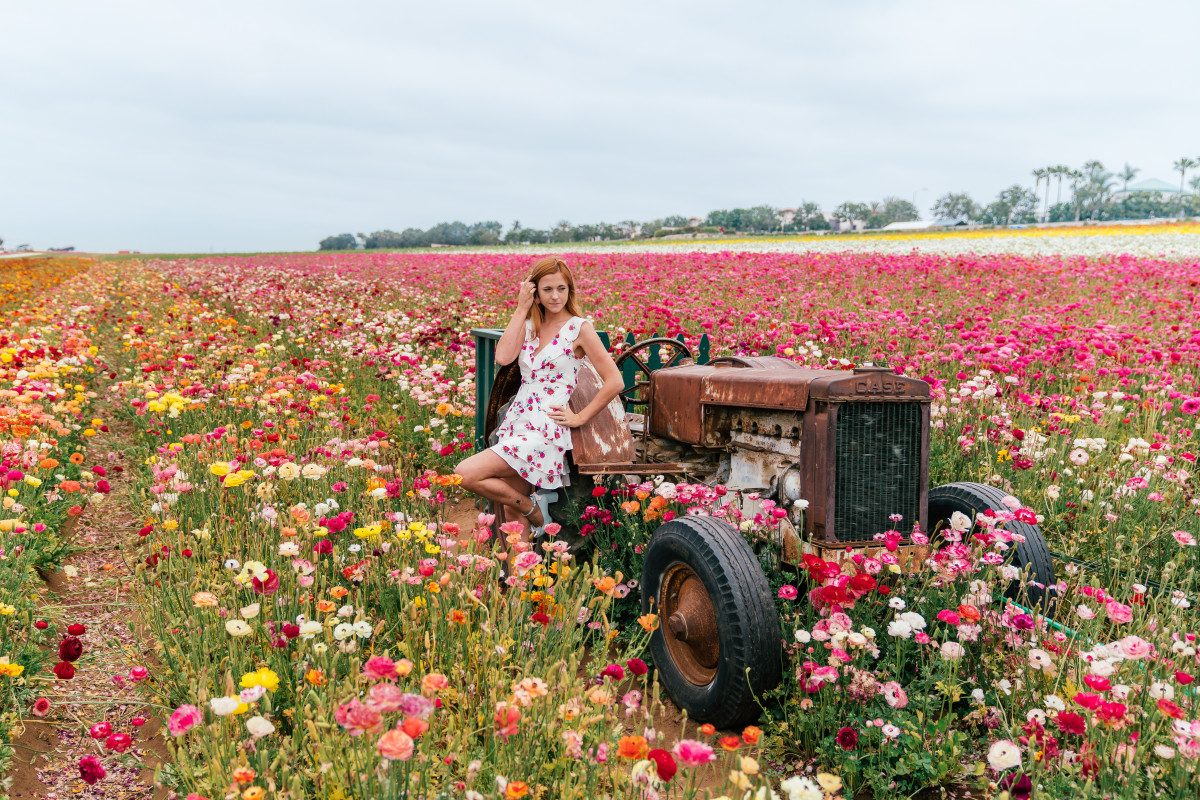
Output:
x,y
488,475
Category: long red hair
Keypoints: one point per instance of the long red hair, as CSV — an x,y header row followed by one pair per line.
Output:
x,y
551,265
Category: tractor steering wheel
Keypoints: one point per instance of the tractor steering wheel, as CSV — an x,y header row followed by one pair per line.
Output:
x,y
635,394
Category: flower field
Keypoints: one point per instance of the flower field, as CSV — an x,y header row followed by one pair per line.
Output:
x,y
325,608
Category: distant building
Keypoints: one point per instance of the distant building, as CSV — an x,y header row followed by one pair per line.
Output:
x,y
1162,189
787,215
924,225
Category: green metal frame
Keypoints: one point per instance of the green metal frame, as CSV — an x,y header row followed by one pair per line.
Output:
x,y
485,368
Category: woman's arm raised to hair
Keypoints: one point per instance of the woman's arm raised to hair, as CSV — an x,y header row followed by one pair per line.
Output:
x,y
606,368
509,346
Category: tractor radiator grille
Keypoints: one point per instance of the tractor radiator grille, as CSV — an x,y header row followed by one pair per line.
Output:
x,y
877,452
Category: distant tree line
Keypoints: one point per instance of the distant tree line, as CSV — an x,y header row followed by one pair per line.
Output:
x,y
1092,193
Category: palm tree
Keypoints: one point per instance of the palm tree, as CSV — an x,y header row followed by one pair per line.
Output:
x,y
1060,171
1182,166
1075,176
1040,175
1195,183
1126,175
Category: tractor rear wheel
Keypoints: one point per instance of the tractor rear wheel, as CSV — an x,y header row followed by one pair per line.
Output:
x,y
972,499
717,646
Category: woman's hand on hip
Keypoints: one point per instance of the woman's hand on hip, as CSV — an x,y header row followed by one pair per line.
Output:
x,y
565,416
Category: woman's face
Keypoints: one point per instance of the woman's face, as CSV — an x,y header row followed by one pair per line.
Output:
x,y
552,292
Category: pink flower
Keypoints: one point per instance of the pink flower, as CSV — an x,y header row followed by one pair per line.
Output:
x,y
41,707
379,668
183,719
1119,612
434,682
395,745
385,698
894,694
1135,648
788,592
1190,406
693,753
508,720
358,718
1184,538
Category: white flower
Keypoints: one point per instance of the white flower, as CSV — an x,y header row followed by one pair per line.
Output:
x,y
314,472
250,611
259,726
289,549
1079,457
960,522
952,651
803,636
1055,702
252,694
899,628
800,788
1004,754
363,629
343,631
1163,751
310,629
1053,491
288,471
224,706
237,627
897,603
890,731
1039,659
914,620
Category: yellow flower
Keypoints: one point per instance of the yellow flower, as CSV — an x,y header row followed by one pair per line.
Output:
x,y
170,524
11,670
369,531
219,468
264,677
832,784
7,610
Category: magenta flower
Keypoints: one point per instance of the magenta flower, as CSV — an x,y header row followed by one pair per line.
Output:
x,y
183,719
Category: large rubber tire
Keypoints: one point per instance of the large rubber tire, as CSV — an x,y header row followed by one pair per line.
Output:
x,y
750,659
973,498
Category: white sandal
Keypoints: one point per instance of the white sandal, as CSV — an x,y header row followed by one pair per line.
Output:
x,y
537,500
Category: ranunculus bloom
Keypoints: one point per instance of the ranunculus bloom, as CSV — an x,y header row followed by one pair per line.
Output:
x,y
64,670
91,770
847,738
395,745
268,586
1070,722
379,668
664,764
100,730
77,629
118,742
358,718
1118,612
70,648
184,719
1003,754
41,707
693,753
508,720
637,666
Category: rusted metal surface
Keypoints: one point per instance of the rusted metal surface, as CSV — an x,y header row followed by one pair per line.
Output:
x,y
605,439
689,624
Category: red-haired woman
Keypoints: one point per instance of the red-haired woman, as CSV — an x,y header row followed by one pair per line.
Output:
x,y
549,338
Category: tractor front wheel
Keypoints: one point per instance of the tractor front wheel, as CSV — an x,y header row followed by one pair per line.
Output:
x,y
717,646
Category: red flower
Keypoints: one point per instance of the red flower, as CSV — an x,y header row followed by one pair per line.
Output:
x,y
323,546
64,670
77,629
637,666
1183,678
118,742
614,671
269,586
41,624
847,738
70,648
41,707
664,764
91,770
1170,709
1070,722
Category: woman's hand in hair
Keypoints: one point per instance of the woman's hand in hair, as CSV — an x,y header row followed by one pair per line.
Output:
x,y
525,295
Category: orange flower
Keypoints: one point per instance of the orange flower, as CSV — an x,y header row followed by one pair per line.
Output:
x,y
243,775
414,727
48,463
254,793
516,790
457,616
338,592
315,677
648,622
708,729
729,743
634,748
70,487
631,506
325,606
969,613
76,458
751,734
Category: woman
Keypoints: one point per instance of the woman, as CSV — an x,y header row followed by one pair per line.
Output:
x,y
549,339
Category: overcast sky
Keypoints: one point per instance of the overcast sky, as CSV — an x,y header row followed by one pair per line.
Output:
x,y
164,126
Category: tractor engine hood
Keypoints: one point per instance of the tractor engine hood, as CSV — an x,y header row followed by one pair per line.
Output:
x,y
690,403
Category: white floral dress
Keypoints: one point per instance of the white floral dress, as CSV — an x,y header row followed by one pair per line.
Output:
x,y
527,439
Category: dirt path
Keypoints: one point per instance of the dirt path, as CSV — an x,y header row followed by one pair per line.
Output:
x,y
94,588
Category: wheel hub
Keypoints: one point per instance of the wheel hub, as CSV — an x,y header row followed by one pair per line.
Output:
x,y
690,632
